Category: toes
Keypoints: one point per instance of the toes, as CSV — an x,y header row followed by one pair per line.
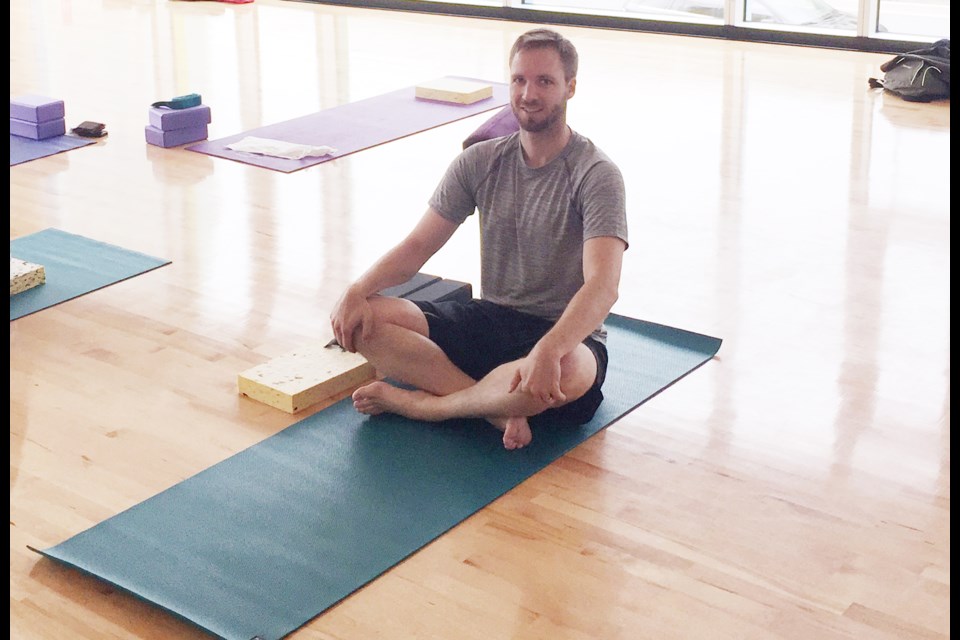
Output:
x,y
511,443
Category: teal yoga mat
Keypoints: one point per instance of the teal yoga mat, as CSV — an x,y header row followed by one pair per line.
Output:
x,y
259,544
74,265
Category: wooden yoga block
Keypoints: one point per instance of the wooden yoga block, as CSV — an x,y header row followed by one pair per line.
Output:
x,y
25,275
304,377
454,90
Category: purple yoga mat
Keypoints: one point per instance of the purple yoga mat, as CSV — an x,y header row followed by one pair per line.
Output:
x,y
26,149
354,126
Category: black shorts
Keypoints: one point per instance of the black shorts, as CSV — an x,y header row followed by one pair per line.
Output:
x,y
479,336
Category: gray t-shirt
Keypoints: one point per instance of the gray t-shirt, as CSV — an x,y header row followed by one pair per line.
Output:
x,y
533,222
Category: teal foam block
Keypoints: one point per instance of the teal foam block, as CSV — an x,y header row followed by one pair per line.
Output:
x,y
73,265
261,543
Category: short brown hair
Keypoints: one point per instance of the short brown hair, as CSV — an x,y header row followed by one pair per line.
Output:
x,y
547,38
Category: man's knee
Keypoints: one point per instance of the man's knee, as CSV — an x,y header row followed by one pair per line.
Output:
x,y
578,372
391,312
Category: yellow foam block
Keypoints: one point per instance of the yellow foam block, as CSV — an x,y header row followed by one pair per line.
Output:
x,y
304,377
454,90
25,275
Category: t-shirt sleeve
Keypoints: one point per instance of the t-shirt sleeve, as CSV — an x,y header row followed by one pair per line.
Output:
x,y
603,198
455,197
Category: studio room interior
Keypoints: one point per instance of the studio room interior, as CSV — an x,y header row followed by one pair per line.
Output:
x,y
559,320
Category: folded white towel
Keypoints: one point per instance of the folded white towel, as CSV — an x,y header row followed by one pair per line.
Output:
x,y
279,148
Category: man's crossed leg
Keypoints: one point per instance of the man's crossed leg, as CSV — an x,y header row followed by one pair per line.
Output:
x,y
399,346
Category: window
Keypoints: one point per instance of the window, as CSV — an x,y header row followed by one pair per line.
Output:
x,y
878,25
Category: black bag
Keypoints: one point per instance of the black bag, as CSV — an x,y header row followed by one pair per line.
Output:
x,y
918,76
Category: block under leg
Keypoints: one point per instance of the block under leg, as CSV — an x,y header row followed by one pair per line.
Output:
x,y
304,377
318,372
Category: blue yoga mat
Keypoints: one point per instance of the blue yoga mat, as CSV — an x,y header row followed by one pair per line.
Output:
x,y
25,149
259,544
73,265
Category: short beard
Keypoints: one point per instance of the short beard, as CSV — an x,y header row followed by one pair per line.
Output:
x,y
556,116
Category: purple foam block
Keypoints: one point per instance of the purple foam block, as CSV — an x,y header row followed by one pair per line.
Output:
x,y
167,139
172,119
502,124
36,108
38,130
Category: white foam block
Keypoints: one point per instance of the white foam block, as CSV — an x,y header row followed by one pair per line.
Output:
x,y
454,90
304,377
25,275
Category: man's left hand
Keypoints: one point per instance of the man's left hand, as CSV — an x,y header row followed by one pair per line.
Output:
x,y
539,375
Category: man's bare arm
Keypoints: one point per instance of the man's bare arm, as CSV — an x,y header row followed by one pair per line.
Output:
x,y
399,264
602,262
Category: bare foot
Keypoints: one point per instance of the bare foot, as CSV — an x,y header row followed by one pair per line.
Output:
x,y
516,433
381,397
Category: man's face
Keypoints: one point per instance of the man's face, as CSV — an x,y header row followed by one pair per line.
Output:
x,y
538,90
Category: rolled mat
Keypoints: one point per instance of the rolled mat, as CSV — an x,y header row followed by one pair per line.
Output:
x,y
73,266
354,126
259,544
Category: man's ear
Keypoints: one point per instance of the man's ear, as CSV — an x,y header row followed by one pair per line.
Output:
x,y
571,87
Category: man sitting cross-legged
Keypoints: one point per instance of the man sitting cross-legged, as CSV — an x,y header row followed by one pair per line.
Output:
x,y
553,231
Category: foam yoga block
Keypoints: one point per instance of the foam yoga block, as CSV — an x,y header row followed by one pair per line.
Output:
x,y
171,119
38,130
415,283
175,137
503,123
36,108
441,291
454,90
25,275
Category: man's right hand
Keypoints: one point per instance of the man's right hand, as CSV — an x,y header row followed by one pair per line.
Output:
x,y
351,314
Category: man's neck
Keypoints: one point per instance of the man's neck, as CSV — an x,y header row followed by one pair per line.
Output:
x,y
540,148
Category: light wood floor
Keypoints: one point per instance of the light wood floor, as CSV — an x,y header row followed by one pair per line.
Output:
x,y
796,487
